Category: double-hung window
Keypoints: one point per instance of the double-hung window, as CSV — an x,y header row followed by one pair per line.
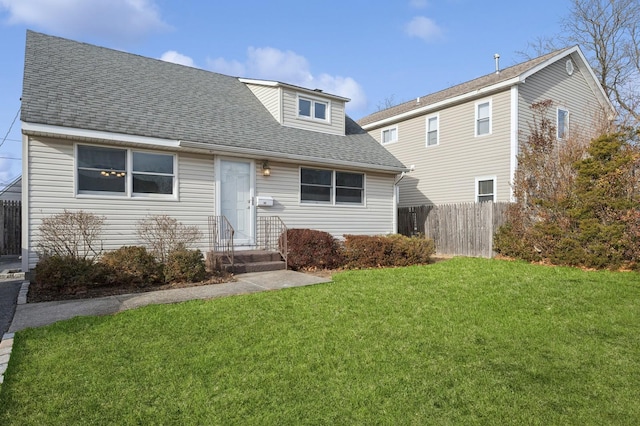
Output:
x,y
432,131
313,109
562,123
390,135
125,172
485,189
331,187
483,118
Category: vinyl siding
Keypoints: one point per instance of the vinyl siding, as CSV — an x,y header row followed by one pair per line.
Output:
x,y
375,217
270,98
570,92
51,191
290,116
446,173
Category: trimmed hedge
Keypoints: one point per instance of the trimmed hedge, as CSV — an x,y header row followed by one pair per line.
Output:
x,y
311,249
134,265
69,274
364,251
185,265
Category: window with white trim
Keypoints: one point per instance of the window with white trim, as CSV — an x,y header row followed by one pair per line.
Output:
x,y
432,131
483,118
389,135
125,172
485,189
313,109
562,123
331,186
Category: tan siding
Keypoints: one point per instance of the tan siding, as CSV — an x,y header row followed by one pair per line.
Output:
x,y
569,92
376,217
51,191
270,98
446,173
290,116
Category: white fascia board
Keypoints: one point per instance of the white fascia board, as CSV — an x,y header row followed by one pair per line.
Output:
x,y
592,80
439,105
284,158
548,62
270,83
71,132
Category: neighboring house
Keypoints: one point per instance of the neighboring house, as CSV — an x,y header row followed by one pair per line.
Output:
x,y
463,141
124,136
13,190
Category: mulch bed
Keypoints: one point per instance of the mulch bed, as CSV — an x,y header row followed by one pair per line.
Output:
x,y
40,293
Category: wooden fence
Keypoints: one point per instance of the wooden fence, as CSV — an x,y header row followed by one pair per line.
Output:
x,y
457,229
10,227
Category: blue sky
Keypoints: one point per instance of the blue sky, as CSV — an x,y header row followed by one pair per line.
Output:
x,y
370,51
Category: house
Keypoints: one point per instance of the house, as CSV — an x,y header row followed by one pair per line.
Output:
x,y
12,191
124,137
463,141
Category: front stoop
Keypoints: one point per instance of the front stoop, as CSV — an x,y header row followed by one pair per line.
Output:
x,y
254,261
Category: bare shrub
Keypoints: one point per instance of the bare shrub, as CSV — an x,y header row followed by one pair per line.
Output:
x,y
71,234
163,234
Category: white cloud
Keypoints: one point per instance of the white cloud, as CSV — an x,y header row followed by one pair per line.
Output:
x,y
119,20
423,28
288,67
177,58
419,4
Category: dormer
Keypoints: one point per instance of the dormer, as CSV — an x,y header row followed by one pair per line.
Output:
x,y
302,108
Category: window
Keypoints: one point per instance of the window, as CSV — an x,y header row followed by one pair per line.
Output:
x,y
432,131
390,135
485,189
563,123
483,118
113,171
314,109
325,186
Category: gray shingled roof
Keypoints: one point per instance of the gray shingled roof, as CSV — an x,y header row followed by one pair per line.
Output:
x,y
78,85
460,89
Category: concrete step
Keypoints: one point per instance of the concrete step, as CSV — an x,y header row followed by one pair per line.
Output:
x,y
243,268
253,256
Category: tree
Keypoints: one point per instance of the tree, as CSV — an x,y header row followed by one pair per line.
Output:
x,y
608,31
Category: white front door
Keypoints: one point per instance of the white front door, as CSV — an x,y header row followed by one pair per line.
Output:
x,y
235,198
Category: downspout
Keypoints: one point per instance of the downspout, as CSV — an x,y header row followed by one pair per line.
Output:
x,y
396,198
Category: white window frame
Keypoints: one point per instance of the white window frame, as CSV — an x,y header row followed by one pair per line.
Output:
x,y
565,132
437,118
312,109
128,192
333,196
389,129
477,187
475,123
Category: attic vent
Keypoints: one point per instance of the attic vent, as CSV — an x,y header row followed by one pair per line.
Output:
x,y
569,67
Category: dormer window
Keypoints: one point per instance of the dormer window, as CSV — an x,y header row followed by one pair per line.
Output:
x,y
313,109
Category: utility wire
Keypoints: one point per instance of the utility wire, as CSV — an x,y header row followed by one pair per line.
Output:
x,y
10,127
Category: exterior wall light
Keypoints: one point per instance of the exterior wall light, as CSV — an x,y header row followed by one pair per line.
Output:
x,y
266,170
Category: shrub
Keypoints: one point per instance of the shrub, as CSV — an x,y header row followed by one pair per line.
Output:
x,y
163,234
71,234
185,265
134,265
364,251
312,249
68,274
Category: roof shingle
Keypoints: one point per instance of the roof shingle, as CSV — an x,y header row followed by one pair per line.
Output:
x,y
78,85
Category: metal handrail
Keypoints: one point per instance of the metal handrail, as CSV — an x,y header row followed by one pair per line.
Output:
x,y
221,237
272,235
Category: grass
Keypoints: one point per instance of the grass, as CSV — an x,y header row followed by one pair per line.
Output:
x,y
466,341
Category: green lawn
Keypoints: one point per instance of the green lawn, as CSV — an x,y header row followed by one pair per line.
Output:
x,y
465,341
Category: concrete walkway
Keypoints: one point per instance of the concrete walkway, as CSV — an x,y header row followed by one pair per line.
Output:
x,y
39,314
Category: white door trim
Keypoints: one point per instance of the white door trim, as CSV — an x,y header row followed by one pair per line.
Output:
x,y
252,186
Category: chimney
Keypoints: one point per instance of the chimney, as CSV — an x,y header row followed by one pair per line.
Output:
x,y
497,58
